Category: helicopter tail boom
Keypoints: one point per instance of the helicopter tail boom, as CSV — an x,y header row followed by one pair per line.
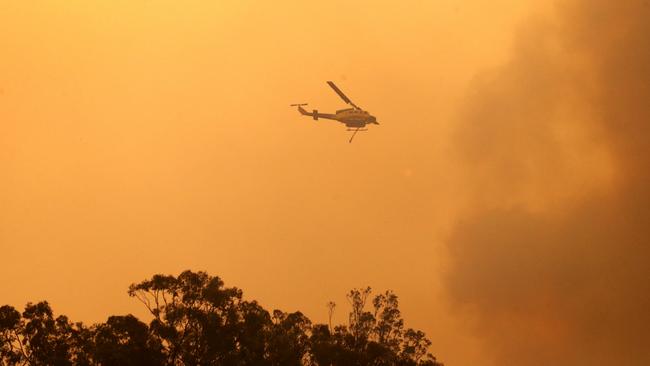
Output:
x,y
302,111
315,115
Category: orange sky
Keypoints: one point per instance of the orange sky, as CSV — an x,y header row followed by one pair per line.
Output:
x,y
142,137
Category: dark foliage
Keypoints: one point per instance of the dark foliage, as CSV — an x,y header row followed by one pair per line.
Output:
x,y
199,321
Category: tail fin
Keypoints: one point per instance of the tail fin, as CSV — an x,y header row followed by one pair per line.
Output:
x,y
301,109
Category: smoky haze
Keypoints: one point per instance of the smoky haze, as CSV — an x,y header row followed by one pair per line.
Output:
x,y
142,137
550,257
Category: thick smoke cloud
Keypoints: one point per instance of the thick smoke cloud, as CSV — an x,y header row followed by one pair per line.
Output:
x,y
552,255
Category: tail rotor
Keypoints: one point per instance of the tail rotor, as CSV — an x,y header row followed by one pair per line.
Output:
x,y
301,109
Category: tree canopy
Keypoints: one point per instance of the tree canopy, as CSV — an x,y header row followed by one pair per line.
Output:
x,y
196,320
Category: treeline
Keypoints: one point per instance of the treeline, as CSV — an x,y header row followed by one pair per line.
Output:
x,y
198,321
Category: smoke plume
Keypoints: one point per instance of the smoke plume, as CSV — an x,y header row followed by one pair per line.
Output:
x,y
552,254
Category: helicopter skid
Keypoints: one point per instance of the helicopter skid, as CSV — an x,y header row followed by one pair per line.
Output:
x,y
357,129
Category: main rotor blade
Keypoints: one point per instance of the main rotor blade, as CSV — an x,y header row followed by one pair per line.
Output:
x,y
340,93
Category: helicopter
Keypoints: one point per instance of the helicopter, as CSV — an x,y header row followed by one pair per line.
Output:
x,y
355,118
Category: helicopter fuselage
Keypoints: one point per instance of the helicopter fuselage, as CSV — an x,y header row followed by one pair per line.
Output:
x,y
354,117
351,117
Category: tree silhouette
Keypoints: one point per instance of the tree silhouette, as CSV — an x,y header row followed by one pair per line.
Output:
x,y
196,320
37,338
124,340
371,338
